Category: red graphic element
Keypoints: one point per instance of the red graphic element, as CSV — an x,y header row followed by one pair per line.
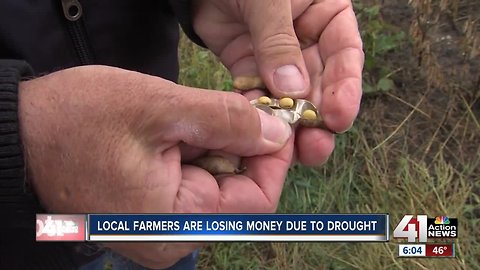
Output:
x,y
439,250
60,227
413,221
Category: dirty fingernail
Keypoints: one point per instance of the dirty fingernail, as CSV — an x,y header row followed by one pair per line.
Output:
x,y
288,79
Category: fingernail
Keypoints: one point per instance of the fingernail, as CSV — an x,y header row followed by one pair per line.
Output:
x,y
347,129
274,129
332,118
289,79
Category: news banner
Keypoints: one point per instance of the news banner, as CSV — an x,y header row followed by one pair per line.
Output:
x,y
254,228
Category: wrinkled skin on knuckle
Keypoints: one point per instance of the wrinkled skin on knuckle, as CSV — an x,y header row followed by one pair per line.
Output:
x,y
242,117
146,123
276,45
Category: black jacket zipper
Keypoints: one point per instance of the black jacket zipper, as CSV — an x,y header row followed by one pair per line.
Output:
x,y
72,10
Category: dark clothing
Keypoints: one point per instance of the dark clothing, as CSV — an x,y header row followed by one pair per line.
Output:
x,y
135,35
50,35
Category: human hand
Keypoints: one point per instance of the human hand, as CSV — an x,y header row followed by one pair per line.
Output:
x,y
104,140
300,48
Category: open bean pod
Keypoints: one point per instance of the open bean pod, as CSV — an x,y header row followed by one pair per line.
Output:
x,y
294,111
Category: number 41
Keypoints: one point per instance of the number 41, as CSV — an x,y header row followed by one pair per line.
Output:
x,y
411,228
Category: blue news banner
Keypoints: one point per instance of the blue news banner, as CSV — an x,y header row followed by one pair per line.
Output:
x,y
238,227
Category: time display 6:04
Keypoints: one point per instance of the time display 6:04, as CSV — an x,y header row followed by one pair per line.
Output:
x,y
411,250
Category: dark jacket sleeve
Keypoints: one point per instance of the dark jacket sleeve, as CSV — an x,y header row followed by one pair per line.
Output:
x,y
15,197
18,204
183,11
17,201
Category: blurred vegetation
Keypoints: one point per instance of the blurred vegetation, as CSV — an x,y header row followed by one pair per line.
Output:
x,y
200,68
379,38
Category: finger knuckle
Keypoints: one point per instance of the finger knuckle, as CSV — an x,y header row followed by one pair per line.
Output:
x,y
277,44
238,111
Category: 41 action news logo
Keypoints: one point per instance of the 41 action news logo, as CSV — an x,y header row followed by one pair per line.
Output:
x,y
421,227
52,227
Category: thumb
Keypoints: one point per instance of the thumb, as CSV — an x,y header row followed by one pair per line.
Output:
x,y
219,121
276,47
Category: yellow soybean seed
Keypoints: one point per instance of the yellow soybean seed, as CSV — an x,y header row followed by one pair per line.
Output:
x,y
248,83
309,115
264,100
286,103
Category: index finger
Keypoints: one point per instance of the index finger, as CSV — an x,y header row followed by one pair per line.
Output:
x,y
258,190
340,48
